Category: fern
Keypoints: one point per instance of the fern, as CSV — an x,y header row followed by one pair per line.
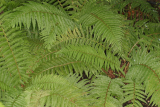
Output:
x,y
108,91
48,90
51,20
134,92
79,53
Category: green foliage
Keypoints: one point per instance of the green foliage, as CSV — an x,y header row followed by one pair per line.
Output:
x,y
79,53
1,105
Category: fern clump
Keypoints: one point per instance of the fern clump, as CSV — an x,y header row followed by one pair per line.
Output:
x,y
79,53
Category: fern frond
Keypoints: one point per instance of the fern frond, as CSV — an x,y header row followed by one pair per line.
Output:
x,y
107,91
107,24
15,57
68,65
86,39
92,56
5,83
14,98
52,90
133,92
83,36
51,21
145,69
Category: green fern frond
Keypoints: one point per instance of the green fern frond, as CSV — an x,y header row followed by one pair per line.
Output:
x,y
145,69
52,90
15,57
83,36
59,63
40,56
143,63
107,91
5,83
51,21
92,56
134,92
14,98
107,24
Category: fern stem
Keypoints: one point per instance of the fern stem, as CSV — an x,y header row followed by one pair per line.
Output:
x,y
106,94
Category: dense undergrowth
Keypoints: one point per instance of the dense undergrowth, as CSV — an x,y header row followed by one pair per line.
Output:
x,y
79,53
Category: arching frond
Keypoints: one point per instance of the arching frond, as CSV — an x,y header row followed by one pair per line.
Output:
x,y
52,90
107,24
85,38
51,21
145,69
68,65
93,56
14,54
